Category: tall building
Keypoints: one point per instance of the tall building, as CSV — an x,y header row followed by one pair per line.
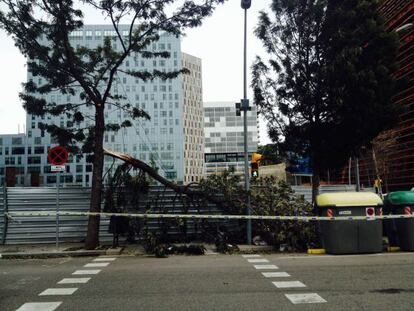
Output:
x,y
224,137
173,105
193,120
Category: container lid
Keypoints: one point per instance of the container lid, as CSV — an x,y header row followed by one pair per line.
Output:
x,y
348,199
400,197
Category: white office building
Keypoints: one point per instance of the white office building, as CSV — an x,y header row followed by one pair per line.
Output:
x,y
165,141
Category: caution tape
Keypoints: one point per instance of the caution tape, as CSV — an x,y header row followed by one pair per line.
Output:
x,y
198,216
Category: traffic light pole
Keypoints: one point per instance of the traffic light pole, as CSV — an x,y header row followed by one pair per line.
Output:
x,y
245,108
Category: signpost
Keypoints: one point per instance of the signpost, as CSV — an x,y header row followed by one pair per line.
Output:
x,y
57,156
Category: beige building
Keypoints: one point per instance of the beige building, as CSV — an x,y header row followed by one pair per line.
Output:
x,y
193,120
277,171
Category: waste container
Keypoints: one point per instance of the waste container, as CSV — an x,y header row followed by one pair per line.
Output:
x,y
401,203
350,236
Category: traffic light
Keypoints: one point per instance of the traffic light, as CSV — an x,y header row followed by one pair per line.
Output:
x,y
254,165
255,169
238,112
245,4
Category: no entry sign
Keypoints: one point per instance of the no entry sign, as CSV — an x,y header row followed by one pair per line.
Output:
x,y
58,155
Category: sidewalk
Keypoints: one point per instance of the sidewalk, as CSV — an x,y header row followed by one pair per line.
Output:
x,y
24,251
50,250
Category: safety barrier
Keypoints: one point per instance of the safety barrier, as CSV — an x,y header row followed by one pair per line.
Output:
x,y
214,216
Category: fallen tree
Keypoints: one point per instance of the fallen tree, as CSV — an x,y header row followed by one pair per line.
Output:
x,y
192,190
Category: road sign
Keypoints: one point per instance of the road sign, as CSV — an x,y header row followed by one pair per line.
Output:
x,y
58,155
57,168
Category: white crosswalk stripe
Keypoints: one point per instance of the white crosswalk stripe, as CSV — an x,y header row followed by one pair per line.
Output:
x,y
74,281
257,260
288,284
40,306
265,267
96,265
104,259
305,298
275,274
82,272
58,291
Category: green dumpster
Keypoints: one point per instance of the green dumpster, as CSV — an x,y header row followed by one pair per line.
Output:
x,y
350,236
402,203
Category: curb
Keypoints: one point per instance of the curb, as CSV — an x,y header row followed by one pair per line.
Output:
x,y
392,249
316,251
44,255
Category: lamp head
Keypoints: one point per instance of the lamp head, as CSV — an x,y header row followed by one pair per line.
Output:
x,y
246,4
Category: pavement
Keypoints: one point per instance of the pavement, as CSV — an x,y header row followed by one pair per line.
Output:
x,y
286,282
50,250
76,249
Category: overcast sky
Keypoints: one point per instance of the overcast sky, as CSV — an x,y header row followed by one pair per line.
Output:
x,y
218,42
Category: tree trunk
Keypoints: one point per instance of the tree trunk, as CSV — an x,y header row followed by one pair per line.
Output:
x,y
315,185
92,237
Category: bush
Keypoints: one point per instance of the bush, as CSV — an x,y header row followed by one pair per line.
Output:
x,y
277,198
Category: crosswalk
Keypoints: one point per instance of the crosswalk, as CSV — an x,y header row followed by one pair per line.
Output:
x,y
295,298
63,290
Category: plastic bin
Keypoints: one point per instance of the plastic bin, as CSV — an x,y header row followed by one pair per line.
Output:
x,y
400,203
350,236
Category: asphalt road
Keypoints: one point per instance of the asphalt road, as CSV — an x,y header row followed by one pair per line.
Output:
x,y
213,282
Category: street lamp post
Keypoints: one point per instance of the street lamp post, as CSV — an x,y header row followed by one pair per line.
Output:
x,y
245,4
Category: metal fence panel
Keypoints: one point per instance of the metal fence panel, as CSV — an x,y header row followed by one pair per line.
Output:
x,y
2,215
35,229
24,230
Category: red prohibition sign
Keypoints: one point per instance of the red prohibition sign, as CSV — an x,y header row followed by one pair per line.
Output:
x,y
58,155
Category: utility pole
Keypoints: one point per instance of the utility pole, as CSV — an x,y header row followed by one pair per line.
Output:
x,y
245,4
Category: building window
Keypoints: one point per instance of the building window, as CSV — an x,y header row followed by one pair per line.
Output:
x,y
9,160
33,160
18,150
51,179
170,175
33,169
39,150
17,141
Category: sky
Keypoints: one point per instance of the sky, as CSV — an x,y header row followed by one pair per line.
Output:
x,y
218,42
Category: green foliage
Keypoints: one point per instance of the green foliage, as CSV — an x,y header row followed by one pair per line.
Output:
x,y
327,71
122,191
268,197
228,188
277,198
